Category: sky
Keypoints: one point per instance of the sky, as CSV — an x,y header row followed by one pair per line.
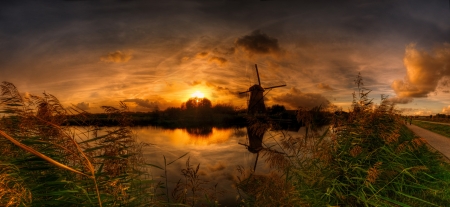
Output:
x,y
151,54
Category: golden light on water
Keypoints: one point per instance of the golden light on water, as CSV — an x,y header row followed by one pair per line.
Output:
x,y
198,94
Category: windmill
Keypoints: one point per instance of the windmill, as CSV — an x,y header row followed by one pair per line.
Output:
x,y
256,104
257,125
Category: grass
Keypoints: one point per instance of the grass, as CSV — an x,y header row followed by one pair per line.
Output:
x,y
47,164
441,129
369,158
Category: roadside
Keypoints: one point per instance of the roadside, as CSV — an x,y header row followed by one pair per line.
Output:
x,y
434,122
437,141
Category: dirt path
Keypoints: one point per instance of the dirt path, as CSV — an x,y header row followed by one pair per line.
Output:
x,y
437,141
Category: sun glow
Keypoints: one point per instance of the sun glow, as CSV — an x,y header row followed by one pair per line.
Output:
x,y
198,94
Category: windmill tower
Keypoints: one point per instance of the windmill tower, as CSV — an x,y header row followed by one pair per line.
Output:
x,y
256,104
256,128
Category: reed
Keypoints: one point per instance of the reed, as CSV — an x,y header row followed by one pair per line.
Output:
x,y
48,164
365,157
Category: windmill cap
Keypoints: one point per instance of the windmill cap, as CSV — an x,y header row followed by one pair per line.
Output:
x,y
256,87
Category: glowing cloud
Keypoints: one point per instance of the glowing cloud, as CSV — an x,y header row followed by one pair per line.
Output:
x,y
423,71
116,57
446,110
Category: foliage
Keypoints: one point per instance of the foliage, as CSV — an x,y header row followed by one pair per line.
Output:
x,y
366,157
48,164
197,103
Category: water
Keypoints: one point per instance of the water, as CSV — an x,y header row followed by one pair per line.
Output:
x,y
219,152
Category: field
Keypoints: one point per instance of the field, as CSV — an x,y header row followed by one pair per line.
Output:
x,y
366,158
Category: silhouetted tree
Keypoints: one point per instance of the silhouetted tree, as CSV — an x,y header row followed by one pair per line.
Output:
x,y
276,109
196,103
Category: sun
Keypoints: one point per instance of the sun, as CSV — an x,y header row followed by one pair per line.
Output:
x,y
198,94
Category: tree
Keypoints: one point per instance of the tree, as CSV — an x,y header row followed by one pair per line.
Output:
x,y
197,103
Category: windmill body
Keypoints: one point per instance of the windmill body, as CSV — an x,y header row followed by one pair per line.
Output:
x,y
257,125
256,104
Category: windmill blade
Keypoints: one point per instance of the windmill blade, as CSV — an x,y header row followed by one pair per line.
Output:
x,y
275,86
257,74
244,92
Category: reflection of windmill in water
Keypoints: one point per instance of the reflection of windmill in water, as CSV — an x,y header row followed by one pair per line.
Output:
x,y
258,122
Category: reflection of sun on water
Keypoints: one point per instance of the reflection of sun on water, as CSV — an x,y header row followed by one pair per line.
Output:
x,y
182,137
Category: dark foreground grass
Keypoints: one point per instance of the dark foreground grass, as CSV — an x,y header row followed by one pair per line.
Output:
x,y
368,158
441,129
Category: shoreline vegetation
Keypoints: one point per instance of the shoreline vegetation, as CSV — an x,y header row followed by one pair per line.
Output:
x,y
366,158
196,116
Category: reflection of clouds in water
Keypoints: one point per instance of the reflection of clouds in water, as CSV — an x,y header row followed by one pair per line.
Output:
x,y
217,167
218,154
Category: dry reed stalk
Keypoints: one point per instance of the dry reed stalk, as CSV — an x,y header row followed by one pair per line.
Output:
x,y
373,173
12,191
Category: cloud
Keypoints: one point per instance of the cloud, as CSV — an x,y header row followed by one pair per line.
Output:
x,y
83,106
400,100
446,110
194,83
423,71
415,111
224,91
324,86
295,98
259,43
143,103
202,54
116,57
218,60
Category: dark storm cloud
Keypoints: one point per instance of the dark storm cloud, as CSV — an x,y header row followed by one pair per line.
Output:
x,y
295,99
259,43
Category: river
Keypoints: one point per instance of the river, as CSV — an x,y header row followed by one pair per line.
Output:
x,y
219,152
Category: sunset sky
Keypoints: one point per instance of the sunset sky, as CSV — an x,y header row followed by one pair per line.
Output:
x,y
158,53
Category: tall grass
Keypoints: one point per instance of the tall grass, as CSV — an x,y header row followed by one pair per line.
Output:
x,y
365,157
47,164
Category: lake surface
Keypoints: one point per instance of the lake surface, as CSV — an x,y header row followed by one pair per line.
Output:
x,y
219,152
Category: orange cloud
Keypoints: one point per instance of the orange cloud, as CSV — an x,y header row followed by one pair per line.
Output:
x,y
116,57
218,60
83,106
446,110
423,71
202,54
324,86
400,100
